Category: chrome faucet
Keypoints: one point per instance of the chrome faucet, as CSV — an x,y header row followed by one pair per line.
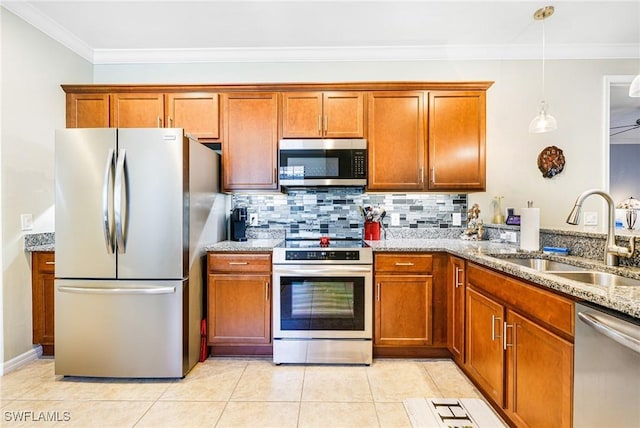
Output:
x,y
611,251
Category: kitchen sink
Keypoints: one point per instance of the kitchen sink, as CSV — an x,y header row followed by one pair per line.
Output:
x,y
542,265
599,278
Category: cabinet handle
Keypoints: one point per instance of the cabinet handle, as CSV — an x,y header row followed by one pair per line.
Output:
x,y
159,122
494,336
433,175
506,345
378,292
275,175
421,175
404,264
320,124
238,263
266,291
457,280
170,122
326,125
49,263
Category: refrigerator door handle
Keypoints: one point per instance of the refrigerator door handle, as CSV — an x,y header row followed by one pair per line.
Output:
x,y
112,291
120,183
107,220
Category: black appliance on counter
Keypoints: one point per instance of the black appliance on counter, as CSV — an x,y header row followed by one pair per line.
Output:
x,y
239,224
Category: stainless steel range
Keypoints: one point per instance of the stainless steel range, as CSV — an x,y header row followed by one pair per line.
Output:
x,y
322,302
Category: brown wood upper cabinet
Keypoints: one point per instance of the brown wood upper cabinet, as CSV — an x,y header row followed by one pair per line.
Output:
x,y
196,112
396,140
456,140
250,141
323,114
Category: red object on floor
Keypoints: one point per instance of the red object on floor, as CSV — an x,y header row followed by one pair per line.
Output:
x,y
204,349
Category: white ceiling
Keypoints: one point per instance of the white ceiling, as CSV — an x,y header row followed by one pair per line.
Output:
x,y
303,30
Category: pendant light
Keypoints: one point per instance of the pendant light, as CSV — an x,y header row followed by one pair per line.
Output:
x,y
543,122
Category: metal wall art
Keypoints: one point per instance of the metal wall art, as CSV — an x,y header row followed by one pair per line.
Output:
x,y
551,161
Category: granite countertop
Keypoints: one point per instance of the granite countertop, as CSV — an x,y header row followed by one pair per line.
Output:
x,y
625,299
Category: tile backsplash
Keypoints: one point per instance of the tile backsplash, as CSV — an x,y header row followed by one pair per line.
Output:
x,y
310,212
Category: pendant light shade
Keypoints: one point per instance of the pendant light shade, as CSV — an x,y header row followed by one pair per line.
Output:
x,y
634,89
543,122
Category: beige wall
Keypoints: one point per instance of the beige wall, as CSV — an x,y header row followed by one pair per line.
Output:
x,y
33,66
574,91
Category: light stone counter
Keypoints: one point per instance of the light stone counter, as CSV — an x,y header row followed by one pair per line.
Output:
x,y
257,245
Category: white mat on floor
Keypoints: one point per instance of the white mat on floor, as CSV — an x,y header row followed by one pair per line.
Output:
x,y
450,412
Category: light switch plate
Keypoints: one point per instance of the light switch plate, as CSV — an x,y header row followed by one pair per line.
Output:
x,y
590,218
26,221
457,219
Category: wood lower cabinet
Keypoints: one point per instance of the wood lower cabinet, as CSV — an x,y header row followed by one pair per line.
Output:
x,y
239,303
456,140
407,319
42,289
396,139
519,348
455,308
250,141
335,114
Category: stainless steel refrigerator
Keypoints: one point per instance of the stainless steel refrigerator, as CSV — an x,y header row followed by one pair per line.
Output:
x,y
134,208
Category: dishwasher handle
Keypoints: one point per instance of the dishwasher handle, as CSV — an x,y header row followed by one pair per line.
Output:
x,y
610,332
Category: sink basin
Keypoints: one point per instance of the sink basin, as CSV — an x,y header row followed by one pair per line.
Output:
x,y
543,265
599,278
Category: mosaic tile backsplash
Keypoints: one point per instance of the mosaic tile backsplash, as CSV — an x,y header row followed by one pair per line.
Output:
x,y
307,213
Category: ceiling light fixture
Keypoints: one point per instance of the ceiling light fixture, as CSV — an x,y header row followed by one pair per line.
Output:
x,y
543,122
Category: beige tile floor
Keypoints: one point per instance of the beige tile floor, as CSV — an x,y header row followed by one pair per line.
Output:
x,y
225,392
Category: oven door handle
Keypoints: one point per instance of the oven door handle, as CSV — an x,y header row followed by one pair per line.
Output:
x,y
333,270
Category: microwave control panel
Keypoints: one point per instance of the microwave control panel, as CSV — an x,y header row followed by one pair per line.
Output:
x,y
360,164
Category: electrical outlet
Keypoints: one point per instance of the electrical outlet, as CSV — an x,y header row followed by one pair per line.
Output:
x,y
253,219
511,237
590,218
395,219
26,221
456,219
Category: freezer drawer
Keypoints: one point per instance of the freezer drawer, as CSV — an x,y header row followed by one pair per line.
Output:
x,y
120,328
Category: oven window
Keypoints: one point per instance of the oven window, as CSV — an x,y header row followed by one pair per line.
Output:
x,y
322,303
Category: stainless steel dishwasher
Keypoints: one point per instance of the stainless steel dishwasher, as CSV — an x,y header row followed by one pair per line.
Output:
x,y
606,369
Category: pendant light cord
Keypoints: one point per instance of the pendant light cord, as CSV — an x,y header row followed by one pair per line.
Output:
x,y
543,56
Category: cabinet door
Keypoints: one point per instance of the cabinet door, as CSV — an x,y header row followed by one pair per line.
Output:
x,y
250,142
42,265
539,375
396,140
484,349
302,115
197,113
457,140
87,110
137,110
239,309
455,316
343,114
403,310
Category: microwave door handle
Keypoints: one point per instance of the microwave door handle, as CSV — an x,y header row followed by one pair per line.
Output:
x,y
107,215
120,185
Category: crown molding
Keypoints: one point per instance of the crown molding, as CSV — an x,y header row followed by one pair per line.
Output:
x,y
49,27
312,54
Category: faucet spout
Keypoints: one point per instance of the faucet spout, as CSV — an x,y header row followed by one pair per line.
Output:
x,y
611,251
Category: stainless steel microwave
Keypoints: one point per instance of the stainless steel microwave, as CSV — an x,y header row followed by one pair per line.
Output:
x,y
325,162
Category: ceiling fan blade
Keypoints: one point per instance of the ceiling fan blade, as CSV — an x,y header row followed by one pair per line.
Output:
x,y
624,130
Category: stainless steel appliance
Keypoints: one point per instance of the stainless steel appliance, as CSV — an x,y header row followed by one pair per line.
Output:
x,y
326,162
134,208
322,302
238,224
606,369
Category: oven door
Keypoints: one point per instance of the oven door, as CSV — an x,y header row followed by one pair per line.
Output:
x,y
329,301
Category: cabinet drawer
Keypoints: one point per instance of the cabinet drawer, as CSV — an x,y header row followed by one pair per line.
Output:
x,y
553,310
44,262
404,263
239,262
